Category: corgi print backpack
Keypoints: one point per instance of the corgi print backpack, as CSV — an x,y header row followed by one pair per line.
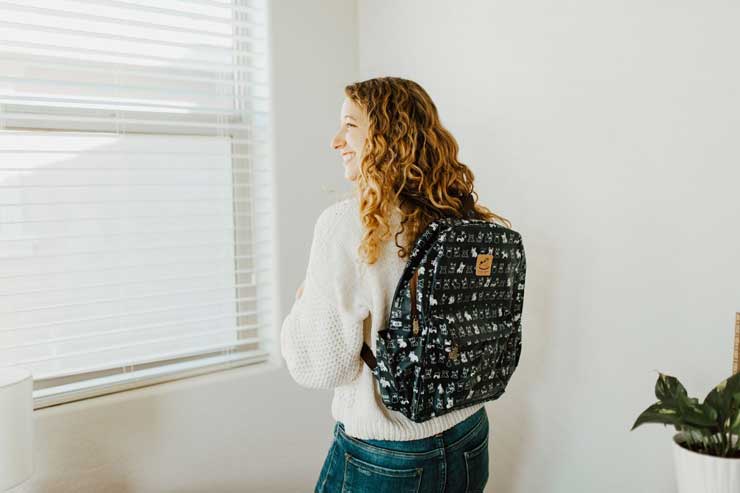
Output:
x,y
454,334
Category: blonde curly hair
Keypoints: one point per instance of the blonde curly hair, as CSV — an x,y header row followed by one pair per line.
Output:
x,y
409,165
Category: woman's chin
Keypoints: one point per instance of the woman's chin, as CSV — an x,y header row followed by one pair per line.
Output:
x,y
350,174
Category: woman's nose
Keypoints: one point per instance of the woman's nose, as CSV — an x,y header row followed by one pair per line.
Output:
x,y
337,142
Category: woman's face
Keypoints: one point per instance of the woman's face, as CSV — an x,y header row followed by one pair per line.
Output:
x,y
350,139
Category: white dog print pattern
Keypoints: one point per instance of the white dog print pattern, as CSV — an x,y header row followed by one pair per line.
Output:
x,y
469,342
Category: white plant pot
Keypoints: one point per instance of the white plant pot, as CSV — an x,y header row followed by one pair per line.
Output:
x,y
701,473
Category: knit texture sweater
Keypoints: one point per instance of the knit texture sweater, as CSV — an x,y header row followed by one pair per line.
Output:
x,y
345,302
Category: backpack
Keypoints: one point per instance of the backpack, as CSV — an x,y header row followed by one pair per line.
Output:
x,y
454,334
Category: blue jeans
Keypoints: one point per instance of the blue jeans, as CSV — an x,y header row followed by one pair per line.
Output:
x,y
453,461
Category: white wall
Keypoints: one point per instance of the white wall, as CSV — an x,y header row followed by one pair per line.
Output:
x,y
234,431
607,133
601,129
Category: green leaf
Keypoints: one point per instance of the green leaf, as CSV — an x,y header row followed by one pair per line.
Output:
x,y
734,415
735,423
669,389
719,413
698,415
658,413
725,399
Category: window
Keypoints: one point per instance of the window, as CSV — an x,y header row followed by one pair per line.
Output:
x,y
135,191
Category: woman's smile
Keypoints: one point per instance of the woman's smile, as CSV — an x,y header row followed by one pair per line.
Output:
x,y
350,139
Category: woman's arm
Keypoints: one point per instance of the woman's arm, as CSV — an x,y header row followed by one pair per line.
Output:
x,y
322,335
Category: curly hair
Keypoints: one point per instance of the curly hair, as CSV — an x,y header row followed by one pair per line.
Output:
x,y
409,164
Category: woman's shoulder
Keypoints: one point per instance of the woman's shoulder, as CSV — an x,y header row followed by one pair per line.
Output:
x,y
340,209
341,219
341,224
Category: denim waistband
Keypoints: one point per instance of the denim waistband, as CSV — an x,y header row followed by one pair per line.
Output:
x,y
450,436
461,429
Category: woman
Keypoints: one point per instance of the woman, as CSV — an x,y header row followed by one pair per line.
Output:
x,y
404,166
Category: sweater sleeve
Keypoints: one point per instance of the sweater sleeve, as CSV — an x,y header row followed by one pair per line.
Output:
x,y
322,335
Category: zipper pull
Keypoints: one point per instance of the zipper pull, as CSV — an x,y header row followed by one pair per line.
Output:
x,y
415,325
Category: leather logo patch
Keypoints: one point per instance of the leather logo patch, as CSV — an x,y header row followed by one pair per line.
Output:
x,y
483,264
454,353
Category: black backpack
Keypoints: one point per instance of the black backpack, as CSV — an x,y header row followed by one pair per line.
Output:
x,y
454,334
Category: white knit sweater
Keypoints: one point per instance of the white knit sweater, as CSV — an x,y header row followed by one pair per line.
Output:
x,y
344,302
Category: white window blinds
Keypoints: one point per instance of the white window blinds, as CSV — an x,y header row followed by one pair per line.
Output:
x,y
135,191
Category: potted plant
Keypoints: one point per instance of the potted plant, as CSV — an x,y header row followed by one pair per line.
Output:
x,y
706,452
